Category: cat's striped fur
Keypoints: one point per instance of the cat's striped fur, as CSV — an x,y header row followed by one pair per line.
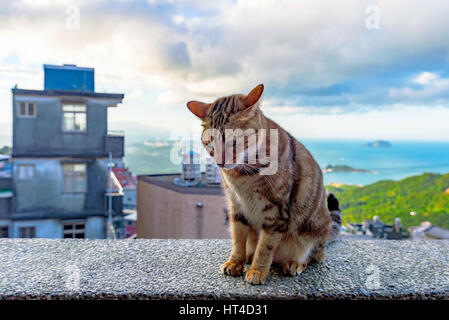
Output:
x,y
282,218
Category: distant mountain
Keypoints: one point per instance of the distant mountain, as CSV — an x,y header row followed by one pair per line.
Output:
x,y
139,133
425,195
342,168
150,158
378,144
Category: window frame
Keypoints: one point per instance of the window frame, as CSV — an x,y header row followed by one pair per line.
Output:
x,y
29,230
73,174
21,165
27,109
74,104
74,231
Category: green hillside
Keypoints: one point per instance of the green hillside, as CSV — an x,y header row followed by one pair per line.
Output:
x,y
150,159
424,194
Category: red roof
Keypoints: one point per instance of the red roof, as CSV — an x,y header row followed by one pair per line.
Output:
x,y
125,177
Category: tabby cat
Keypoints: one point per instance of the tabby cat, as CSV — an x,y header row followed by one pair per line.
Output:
x,y
280,218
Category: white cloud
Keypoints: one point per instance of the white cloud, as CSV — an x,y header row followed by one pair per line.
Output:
x,y
405,123
433,88
426,78
202,50
300,44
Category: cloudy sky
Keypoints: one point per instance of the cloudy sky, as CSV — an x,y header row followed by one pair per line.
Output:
x,y
346,69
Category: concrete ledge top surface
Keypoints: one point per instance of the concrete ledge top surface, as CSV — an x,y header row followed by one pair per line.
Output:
x,y
190,269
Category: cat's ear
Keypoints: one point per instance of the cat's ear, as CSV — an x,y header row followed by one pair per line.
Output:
x,y
198,108
252,97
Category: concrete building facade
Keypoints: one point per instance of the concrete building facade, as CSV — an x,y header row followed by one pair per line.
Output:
x,y
61,146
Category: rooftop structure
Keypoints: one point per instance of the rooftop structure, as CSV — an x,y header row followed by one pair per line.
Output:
x,y
129,187
191,172
428,231
381,230
125,177
68,77
166,181
5,166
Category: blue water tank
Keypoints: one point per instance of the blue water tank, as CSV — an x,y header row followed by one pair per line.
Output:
x,y
68,77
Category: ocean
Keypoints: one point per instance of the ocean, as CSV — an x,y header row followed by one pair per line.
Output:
x,y
403,159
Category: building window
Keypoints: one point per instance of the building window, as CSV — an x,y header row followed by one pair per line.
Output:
x,y
26,171
4,231
27,109
74,117
27,232
74,230
74,177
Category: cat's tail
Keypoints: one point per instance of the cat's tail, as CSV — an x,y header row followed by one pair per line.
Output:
x,y
334,208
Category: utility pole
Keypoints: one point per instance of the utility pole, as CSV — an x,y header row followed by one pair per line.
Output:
x,y
110,229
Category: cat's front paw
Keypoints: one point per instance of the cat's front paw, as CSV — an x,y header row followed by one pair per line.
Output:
x,y
254,276
232,268
293,268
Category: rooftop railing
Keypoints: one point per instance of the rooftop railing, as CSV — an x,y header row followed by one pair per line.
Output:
x,y
116,133
115,143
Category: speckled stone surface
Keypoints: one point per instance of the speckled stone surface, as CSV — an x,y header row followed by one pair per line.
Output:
x,y
180,269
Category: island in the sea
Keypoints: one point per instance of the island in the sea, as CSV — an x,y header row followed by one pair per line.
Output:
x,y
378,144
342,168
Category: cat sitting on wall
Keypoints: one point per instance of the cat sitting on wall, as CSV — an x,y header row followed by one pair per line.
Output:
x,y
277,201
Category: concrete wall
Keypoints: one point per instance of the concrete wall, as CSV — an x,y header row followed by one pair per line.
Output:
x,y
5,207
50,228
95,227
184,269
45,191
165,214
43,135
5,183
